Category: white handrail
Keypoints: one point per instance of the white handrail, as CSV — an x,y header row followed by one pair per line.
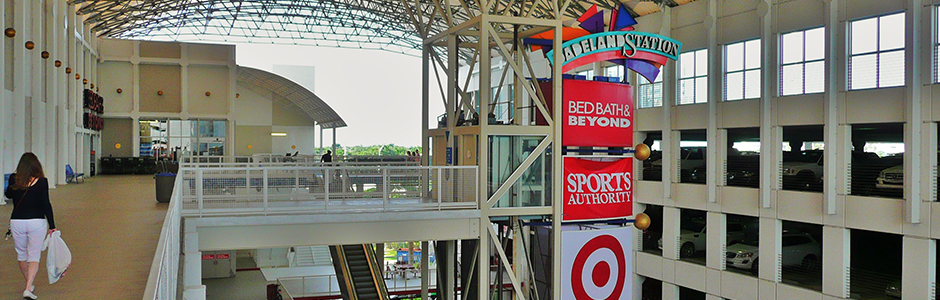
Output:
x,y
163,280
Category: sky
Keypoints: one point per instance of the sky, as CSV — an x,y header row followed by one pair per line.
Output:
x,y
377,93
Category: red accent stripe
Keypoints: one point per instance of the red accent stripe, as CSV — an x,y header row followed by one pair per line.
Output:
x,y
398,293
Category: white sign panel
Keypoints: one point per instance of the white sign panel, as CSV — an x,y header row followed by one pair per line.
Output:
x,y
597,264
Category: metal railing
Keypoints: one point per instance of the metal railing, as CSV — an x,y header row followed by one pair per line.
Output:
x,y
265,160
264,190
164,272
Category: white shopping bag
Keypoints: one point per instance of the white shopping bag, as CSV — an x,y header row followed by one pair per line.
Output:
x,y
58,256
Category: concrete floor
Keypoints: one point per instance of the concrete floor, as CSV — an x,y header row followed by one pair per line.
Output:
x,y
111,225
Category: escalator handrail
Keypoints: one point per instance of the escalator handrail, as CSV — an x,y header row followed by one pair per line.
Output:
x,y
379,282
347,276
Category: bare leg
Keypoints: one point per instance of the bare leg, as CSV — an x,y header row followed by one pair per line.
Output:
x,y
33,269
24,269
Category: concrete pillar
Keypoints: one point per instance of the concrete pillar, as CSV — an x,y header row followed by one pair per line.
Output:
x,y
715,67
425,266
670,291
20,77
919,272
771,233
671,233
837,252
61,99
914,113
716,239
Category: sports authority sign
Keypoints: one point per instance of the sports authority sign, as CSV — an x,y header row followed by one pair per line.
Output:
x,y
596,190
597,264
597,114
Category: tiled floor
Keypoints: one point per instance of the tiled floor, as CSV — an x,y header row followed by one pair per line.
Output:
x,y
111,225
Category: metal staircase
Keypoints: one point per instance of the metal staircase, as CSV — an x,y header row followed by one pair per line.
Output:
x,y
321,256
358,272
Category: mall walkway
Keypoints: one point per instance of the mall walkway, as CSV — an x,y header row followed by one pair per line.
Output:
x,y
111,224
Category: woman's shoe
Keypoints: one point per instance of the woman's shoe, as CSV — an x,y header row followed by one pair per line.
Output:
x,y
29,295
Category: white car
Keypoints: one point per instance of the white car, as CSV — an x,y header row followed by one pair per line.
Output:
x,y
799,249
891,178
692,236
805,169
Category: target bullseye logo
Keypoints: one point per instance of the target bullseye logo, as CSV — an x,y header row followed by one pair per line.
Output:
x,y
594,259
598,264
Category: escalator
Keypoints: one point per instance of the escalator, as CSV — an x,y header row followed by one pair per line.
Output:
x,y
358,272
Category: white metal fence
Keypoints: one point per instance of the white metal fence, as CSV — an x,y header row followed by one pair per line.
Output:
x,y
164,272
263,160
291,189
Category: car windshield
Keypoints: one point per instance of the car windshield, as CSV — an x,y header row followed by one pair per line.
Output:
x,y
693,225
751,242
807,156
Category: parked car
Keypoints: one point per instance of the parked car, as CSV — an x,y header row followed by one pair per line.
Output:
x,y
891,178
893,289
799,249
690,158
692,235
804,169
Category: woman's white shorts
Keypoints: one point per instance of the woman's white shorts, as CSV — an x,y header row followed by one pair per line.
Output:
x,y
28,236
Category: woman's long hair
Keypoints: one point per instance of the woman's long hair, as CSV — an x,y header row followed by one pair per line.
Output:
x,y
28,168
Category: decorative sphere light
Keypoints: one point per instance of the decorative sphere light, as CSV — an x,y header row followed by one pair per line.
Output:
x,y
10,32
641,221
44,54
30,45
58,63
641,152
68,70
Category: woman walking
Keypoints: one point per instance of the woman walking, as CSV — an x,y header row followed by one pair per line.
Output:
x,y
29,190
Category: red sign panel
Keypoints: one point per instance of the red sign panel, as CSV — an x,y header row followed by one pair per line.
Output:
x,y
208,256
221,256
597,114
597,189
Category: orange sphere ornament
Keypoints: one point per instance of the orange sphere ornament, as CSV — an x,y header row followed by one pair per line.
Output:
x,y
159,93
44,54
10,32
68,70
120,91
30,45
641,152
208,93
78,76
641,221
58,63
85,81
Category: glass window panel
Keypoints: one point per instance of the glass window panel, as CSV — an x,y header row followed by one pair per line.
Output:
x,y
701,62
891,32
815,77
658,94
752,53
792,81
686,91
752,84
792,48
641,80
815,44
735,86
937,62
734,56
701,90
891,67
219,126
863,35
863,73
687,65
659,78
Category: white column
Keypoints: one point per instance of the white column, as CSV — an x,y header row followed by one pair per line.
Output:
x,y
5,167
919,272
670,291
193,289
20,76
670,233
913,112
61,54
73,62
770,134
50,73
716,237
715,63
669,102
771,232
36,109
837,252
834,164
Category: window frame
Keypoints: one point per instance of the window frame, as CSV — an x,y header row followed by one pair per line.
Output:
x,y
743,71
878,52
694,78
803,61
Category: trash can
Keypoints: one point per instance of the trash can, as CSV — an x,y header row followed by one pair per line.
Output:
x,y
273,293
164,184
